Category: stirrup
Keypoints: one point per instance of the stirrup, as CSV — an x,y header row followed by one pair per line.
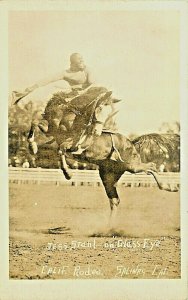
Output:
x,y
79,150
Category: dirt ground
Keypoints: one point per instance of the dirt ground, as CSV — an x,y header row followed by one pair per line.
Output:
x,y
61,232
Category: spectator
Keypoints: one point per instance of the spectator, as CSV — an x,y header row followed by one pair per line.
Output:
x,y
162,167
84,166
25,164
17,162
33,163
75,165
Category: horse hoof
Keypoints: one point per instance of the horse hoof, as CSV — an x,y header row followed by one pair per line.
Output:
x,y
169,188
67,174
174,188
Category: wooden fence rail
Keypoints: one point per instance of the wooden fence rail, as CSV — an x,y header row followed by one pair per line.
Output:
x,y
84,177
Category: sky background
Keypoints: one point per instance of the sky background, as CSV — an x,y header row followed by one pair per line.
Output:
x,y
133,53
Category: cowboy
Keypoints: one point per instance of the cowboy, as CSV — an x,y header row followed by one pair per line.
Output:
x,y
79,79
77,76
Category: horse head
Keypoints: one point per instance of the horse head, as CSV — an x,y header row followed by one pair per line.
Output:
x,y
84,118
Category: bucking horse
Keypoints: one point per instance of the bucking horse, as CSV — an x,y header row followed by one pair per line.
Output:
x,y
100,144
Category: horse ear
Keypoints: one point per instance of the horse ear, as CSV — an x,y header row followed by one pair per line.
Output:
x,y
114,100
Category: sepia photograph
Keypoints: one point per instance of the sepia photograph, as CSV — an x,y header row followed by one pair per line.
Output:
x,y
68,155
94,145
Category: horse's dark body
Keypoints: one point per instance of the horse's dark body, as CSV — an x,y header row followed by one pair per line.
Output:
x,y
102,153
112,152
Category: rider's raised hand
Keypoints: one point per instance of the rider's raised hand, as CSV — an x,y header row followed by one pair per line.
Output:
x,y
18,95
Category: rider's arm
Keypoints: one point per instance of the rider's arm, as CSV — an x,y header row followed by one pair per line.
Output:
x,y
55,77
16,95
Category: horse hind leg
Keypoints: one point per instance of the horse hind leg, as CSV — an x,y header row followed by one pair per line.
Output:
x,y
109,179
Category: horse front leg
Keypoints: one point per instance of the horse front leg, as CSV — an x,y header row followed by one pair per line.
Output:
x,y
64,167
33,148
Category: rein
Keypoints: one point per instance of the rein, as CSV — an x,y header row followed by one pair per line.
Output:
x,y
95,101
93,111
